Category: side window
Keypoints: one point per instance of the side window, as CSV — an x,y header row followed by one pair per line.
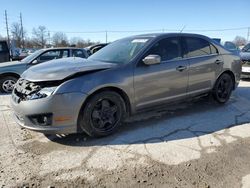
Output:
x,y
197,47
78,53
53,54
65,54
167,49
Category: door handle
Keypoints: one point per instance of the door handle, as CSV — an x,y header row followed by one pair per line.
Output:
x,y
218,62
181,68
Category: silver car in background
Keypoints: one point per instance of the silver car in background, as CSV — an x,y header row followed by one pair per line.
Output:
x,y
11,71
127,76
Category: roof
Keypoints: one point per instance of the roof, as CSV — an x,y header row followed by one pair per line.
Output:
x,y
59,48
170,34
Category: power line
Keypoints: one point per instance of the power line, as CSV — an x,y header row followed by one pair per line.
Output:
x,y
79,31
207,30
152,30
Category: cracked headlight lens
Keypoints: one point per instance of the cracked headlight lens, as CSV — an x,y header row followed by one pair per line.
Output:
x,y
43,93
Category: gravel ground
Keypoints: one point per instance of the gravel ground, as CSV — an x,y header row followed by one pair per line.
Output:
x,y
196,144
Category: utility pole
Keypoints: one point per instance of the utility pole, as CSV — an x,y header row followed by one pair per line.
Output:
x,y
21,23
248,33
7,28
49,38
106,36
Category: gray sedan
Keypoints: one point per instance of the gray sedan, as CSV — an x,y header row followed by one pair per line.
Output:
x,y
127,76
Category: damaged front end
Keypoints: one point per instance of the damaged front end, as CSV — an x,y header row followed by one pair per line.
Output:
x,y
26,90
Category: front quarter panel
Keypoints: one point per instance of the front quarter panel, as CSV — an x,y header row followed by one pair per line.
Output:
x,y
120,77
19,69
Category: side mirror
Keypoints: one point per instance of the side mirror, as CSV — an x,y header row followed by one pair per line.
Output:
x,y
152,60
35,62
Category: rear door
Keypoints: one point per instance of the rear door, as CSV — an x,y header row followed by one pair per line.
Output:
x,y
164,82
205,63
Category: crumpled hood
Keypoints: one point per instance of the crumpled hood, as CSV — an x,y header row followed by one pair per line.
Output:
x,y
245,55
60,69
11,63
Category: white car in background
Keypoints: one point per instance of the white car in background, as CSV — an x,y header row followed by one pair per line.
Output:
x,y
245,57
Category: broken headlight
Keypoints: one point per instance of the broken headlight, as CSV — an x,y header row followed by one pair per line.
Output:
x,y
43,93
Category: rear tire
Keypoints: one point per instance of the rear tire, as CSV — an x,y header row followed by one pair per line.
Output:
x,y
7,84
223,88
102,114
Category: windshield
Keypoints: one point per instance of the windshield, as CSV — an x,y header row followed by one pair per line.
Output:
x,y
246,48
32,56
121,51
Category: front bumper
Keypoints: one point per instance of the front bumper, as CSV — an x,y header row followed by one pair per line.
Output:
x,y
64,108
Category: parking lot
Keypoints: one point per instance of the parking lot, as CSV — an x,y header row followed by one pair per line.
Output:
x,y
196,144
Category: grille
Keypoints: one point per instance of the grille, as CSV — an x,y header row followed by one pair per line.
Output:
x,y
24,88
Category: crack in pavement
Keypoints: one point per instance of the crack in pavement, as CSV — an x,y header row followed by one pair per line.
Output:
x,y
9,133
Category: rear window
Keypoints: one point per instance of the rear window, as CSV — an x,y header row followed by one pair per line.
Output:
x,y
3,47
197,47
78,53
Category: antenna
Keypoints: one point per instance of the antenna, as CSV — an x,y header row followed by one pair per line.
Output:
x,y
182,28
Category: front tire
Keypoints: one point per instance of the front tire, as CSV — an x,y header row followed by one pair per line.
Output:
x,y
102,114
7,84
223,88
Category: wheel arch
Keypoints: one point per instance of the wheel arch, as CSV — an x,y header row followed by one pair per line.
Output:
x,y
10,74
109,88
227,72
121,92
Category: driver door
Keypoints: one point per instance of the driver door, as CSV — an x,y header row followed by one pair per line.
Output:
x,y
163,82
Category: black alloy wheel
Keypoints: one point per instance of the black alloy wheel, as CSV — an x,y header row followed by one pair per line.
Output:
x,y
102,114
223,88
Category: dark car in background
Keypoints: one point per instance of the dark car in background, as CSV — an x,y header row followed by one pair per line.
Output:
x,y
130,75
94,48
245,57
4,52
228,45
11,71
231,47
